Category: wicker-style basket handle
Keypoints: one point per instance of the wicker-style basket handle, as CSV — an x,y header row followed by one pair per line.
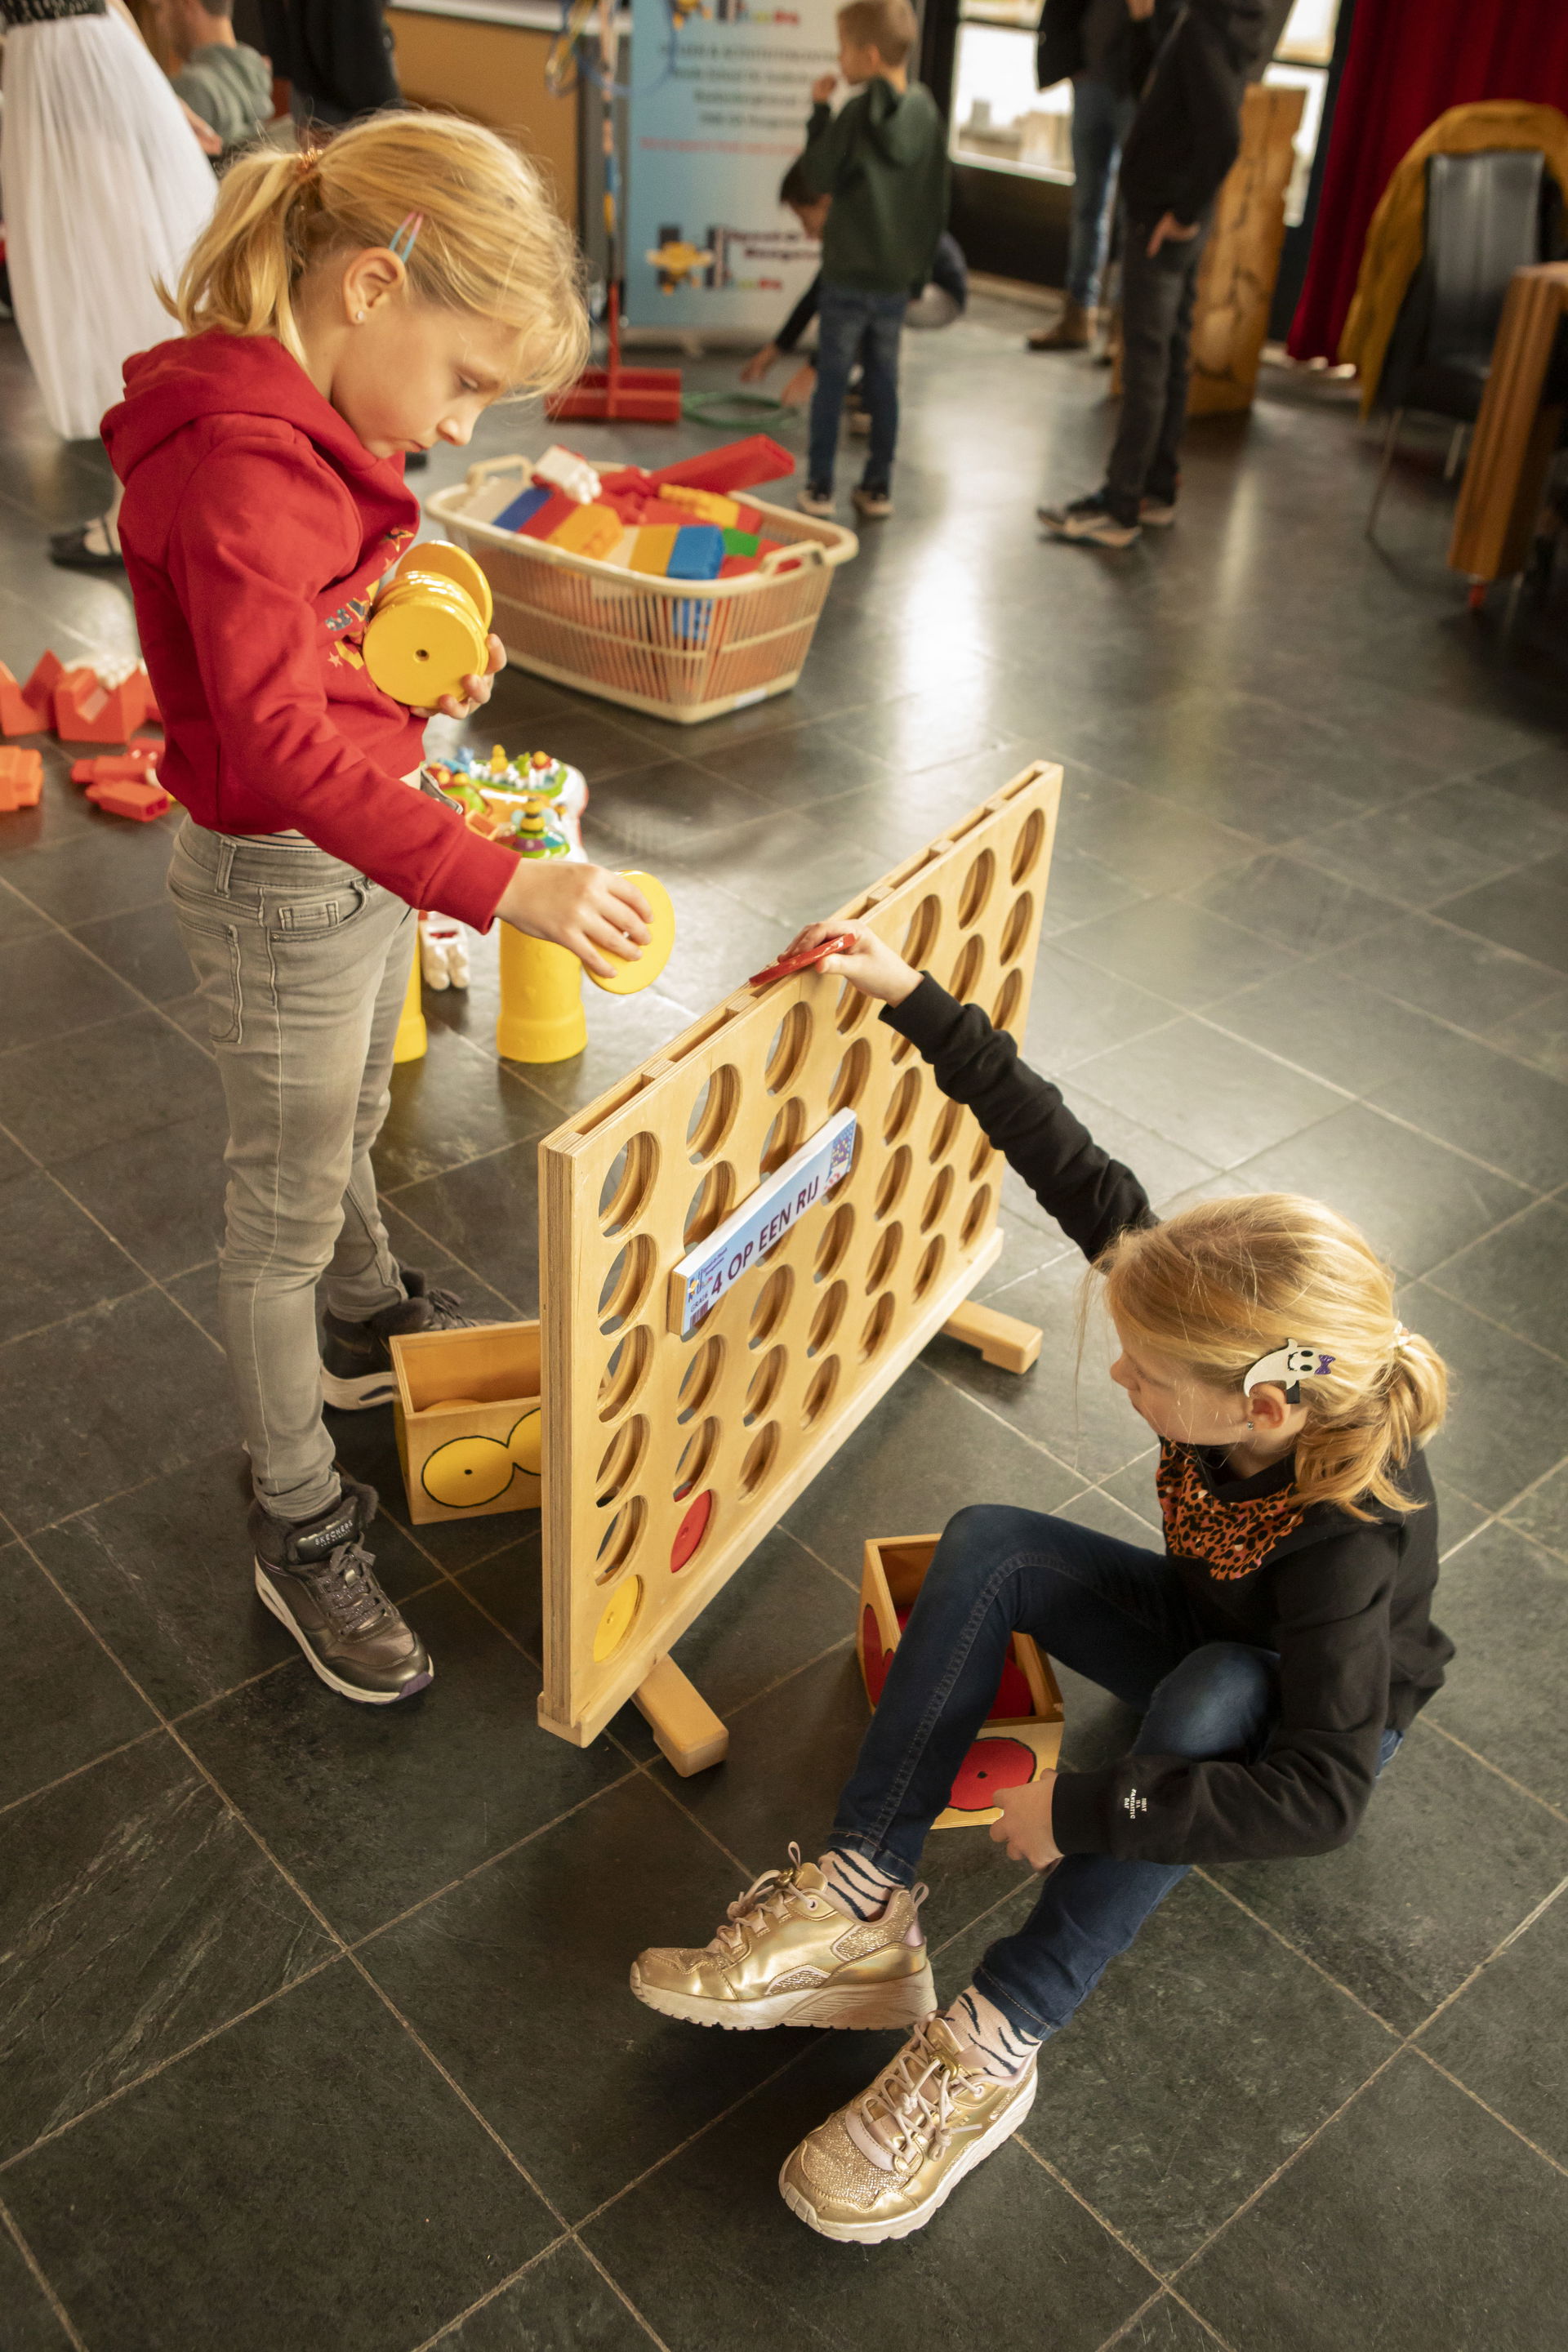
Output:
x,y
480,474
791,558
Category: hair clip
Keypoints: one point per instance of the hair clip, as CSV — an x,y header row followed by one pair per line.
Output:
x,y
1287,1363
401,241
306,161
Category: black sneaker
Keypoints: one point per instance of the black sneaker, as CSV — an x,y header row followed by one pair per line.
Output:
x,y
317,1579
1088,519
356,1361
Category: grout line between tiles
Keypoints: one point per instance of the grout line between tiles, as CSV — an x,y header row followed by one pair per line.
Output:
x,y
795,2058
46,1787
1316,1966
1476,1757
617,2290
449,2327
1093,2211
42,2283
1487,2108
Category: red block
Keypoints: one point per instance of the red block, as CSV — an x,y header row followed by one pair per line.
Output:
x,y
27,710
734,566
136,764
21,778
550,516
143,802
734,468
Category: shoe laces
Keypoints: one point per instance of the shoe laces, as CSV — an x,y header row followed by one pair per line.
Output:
x,y
907,2113
347,1586
768,1900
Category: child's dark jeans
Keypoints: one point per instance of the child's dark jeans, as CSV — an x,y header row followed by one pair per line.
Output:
x,y
1109,1611
850,326
1157,296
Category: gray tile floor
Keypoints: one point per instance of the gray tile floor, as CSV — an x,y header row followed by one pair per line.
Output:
x,y
314,2028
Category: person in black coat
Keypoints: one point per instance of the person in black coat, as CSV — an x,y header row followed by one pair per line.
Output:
x,y
335,55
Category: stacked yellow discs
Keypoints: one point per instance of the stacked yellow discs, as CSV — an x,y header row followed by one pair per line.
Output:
x,y
429,629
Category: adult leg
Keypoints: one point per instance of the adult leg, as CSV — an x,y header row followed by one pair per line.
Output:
x,y
1164,476
879,386
1151,292
841,320
1098,128
362,1278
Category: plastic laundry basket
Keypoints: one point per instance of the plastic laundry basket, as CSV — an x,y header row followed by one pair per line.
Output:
x,y
682,649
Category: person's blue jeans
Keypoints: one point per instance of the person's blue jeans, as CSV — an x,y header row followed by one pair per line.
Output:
x,y
1100,122
850,326
1112,1613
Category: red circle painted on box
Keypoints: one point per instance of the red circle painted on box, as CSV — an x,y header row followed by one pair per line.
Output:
x,y
993,1764
691,1530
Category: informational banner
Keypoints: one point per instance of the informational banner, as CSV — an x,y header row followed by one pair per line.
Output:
x,y
720,96
745,1237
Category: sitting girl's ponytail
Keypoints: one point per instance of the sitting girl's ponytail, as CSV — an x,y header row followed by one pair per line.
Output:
x,y
1228,1281
489,241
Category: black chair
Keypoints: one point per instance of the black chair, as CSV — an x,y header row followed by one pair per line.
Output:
x,y
1487,214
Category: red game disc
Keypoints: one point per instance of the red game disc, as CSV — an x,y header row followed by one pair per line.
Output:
x,y
691,1530
801,958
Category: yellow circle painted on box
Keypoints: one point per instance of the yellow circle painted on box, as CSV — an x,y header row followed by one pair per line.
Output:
x,y
466,1472
620,1612
642,973
456,564
526,1443
422,642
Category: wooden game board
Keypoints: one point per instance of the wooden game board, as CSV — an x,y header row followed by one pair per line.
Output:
x,y
668,1460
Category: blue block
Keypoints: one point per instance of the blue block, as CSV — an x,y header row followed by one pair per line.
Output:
x,y
697,553
522,509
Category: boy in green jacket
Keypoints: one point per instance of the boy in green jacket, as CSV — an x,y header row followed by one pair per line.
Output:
x,y
883,161
220,78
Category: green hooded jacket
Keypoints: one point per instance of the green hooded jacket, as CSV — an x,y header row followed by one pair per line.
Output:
x,y
231,87
883,161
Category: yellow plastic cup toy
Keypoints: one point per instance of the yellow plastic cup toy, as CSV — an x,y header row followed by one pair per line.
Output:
x,y
541,1017
430,628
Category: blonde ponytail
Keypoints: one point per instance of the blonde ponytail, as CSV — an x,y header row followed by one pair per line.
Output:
x,y
1230,1281
489,241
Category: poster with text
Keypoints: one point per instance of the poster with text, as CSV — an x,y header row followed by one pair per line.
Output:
x,y
720,96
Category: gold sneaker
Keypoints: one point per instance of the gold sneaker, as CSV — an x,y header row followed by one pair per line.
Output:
x,y
787,1956
881,2166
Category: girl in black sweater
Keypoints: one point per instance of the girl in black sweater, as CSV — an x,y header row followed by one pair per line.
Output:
x,y
1277,1650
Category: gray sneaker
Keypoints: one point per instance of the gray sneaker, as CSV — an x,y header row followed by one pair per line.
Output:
x,y
1090,521
316,1579
356,1359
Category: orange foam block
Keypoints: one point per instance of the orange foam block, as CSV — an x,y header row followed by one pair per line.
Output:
x,y
28,709
142,802
21,778
136,764
87,711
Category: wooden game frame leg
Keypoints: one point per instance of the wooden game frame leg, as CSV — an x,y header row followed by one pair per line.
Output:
x,y
687,1731
1001,1339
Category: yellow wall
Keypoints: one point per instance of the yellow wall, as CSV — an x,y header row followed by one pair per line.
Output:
x,y
495,74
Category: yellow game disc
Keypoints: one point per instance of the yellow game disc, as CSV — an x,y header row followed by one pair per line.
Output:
x,y
422,642
438,555
617,1620
466,1472
526,1443
650,962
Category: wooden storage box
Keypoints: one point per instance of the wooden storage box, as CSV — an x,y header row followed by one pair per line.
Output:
x,y
1023,1732
468,1426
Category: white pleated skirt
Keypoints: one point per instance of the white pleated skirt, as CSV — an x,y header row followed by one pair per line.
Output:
x,y
105,190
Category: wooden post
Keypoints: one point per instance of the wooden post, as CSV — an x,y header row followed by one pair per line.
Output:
x,y
1001,1339
686,1727
1236,274
1515,435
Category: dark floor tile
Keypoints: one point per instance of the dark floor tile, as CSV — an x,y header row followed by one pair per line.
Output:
x,y
1502,1112
102,1402
1166,2327
479,1975
1505,1602
1208,1093
561,2305
68,1702
1027,1243
1491,2037
144,948
1540,776
196,1295
1134,1517
793,766
622,1032
1507,1418
1148,842
136,1914
507,1586
1415,1200
20,918
1344,1031
1076,1012
1448,1859
1426,963
158,1194
252,2149
30,2322
101,870
48,987
1518,1275
1181,952
670,810
375,1807
487,1215
115,1080
54,1262
165,1574
966,2278
1544,1512
1411,859
586,734
799,868
1416,2223
1538,1035
455,1104
1476,810
1283,897
1081,890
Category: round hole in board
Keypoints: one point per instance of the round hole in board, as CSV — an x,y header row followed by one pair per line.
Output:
x,y
976,890
787,1050
930,1266
849,1078
901,1049
771,1301
981,1158
623,1374
765,1384
974,1216
1020,922
937,1199
891,1181
835,1238
759,1458
784,1137
625,1286
819,1392
620,1539
718,1099
690,1534
628,1183
851,1008
1028,847
709,1204
920,937
1008,996
902,1105
878,1325
826,1321
695,1457
621,1461
884,1257
945,1129
620,1614
967,970
698,1381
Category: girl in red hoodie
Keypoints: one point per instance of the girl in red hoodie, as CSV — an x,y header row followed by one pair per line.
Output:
x,y
344,309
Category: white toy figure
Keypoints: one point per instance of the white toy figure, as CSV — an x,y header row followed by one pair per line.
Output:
x,y
443,952
564,470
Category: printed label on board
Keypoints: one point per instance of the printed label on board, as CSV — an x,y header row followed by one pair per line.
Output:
x,y
762,1221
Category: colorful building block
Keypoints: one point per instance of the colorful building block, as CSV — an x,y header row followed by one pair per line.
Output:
x,y
87,711
29,709
136,764
697,553
708,505
652,550
21,780
588,530
735,567
545,520
140,801
564,469
736,466
523,508
739,542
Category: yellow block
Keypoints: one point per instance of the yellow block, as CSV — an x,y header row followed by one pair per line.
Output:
x,y
708,505
588,530
413,1037
654,546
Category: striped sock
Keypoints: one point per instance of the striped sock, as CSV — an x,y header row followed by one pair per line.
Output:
x,y
989,2038
856,1885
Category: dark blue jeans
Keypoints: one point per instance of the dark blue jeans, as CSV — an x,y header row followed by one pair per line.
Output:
x,y
1100,122
853,326
1112,1613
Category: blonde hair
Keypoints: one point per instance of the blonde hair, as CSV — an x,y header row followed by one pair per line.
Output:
x,y
1228,1281
489,241
889,26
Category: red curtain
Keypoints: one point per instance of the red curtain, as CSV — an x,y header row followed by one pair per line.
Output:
x,y
1409,61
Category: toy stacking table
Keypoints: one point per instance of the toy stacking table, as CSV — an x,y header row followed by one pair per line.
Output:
x,y
691,1389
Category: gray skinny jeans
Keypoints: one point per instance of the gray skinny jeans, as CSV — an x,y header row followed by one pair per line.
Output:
x,y
302,964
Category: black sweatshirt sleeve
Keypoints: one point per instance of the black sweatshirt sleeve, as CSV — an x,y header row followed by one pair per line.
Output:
x,y
1307,1795
801,317
1091,1196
